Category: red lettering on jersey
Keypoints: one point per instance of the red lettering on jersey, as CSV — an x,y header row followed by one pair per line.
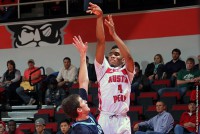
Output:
x,y
118,98
118,78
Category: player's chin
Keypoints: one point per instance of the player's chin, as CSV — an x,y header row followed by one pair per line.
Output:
x,y
112,64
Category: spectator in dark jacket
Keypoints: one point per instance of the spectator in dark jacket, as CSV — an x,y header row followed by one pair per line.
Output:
x,y
154,70
54,95
174,66
10,81
140,82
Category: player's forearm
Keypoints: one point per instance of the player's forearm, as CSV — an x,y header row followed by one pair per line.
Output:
x,y
83,73
100,49
100,34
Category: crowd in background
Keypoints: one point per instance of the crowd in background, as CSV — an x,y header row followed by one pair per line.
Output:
x,y
51,89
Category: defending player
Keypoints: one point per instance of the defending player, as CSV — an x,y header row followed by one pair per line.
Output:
x,y
76,106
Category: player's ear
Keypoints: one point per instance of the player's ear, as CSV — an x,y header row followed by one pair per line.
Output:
x,y
123,60
79,110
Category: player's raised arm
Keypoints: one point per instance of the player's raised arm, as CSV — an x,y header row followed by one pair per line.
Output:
x,y
122,47
100,49
83,72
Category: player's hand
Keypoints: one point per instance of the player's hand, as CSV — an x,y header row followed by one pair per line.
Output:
x,y
94,9
78,43
186,125
110,24
190,124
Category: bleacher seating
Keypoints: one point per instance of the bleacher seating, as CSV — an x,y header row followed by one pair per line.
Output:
x,y
132,99
186,97
169,101
143,110
158,84
172,94
53,126
150,112
49,112
27,127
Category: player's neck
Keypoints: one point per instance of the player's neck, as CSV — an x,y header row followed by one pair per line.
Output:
x,y
83,117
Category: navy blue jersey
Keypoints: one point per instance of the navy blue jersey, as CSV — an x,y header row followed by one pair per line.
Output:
x,y
89,126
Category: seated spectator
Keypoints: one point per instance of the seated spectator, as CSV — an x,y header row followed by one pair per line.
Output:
x,y
35,78
64,127
187,123
174,66
7,12
3,128
140,82
154,70
54,95
197,66
40,126
185,79
12,128
67,74
91,73
10,81
162,123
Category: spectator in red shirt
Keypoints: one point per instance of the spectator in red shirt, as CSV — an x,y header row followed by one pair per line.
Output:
x,y
187,123
3,128
35,78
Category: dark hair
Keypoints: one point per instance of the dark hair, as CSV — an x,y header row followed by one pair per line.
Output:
x,y
191,60
87,57
137,65
65,120
192,102
67,58
11,62
70,105
11,121
114,47
177,50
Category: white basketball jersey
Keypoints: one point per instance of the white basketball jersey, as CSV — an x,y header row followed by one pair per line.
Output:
x,y
114,88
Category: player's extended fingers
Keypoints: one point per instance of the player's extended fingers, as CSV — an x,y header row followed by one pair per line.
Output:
x,y
107,23
91,4
111,20
80,40
75,45
75,39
